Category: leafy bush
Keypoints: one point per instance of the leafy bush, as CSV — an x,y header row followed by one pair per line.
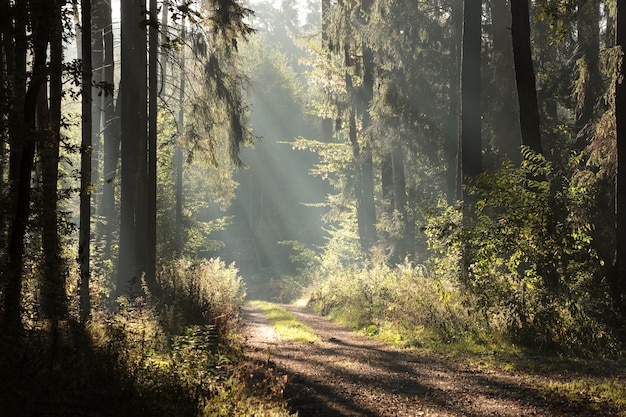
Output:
x,y
527,257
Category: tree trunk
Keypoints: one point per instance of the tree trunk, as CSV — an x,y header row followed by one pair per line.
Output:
x,y
525,76
471,143
84,238
97,107
400,201
588,17
327,123
53,289
178,155
453,126
506,122
22,168
7,62
618,277
356,150
134,138
367,96
152,152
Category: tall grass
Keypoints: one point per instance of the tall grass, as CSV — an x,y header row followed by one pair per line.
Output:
x,y
403,305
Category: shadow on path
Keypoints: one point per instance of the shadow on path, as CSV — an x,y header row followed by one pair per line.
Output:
x,y
350,375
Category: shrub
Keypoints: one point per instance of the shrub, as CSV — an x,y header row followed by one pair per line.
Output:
x,y
527,256
201,292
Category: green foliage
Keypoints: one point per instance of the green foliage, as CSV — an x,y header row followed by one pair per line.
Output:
x,y
529,267
178,357
404,305
208,191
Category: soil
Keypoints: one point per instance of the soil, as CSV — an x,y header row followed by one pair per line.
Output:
x,y
347,374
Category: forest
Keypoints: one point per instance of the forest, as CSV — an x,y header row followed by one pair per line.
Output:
x,y
442,174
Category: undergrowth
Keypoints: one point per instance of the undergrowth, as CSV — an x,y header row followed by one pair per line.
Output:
x,y
402,306
180,356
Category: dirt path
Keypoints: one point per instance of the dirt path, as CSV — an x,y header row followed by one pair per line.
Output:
x,y
350,375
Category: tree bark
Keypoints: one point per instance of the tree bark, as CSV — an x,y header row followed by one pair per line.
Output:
x,y
23,167
367,164
178,155
453,127
97,107
111,135
327,123
506,121
471,142
152,151
54,301
588,19
84,246
134,146
618,277
525,76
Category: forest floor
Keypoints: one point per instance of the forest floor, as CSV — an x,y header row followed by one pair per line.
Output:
x,y
347,374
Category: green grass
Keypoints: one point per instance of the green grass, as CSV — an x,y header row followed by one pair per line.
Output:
x,y
596,391
286,324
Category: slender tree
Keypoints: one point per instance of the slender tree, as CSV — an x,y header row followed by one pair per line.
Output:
x,y
133,105
111,133
454,88
471,143
53,285
525,76
590,80
178,152
365,98
506,122
24,152
84,256
152,146
619,274
327,122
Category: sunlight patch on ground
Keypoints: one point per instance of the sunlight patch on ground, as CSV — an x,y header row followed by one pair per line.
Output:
x,y
286,324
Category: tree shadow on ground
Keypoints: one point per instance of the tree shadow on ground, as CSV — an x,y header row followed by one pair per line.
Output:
x,y
74,378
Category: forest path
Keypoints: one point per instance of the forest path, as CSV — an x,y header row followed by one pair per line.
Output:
x,y
347,374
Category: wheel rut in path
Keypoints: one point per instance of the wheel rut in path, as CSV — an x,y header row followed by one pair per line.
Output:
x,y
346,374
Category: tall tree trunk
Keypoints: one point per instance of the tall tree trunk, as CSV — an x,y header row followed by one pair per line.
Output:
x,y
111,134
134,138
178,154
327,122
23,167
387,200
356,149
97,108
618,277
588,17
453,126
7,70
84,246
471,141
152,151
364,99
400,201
506,122
53,288
16,118
525,76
